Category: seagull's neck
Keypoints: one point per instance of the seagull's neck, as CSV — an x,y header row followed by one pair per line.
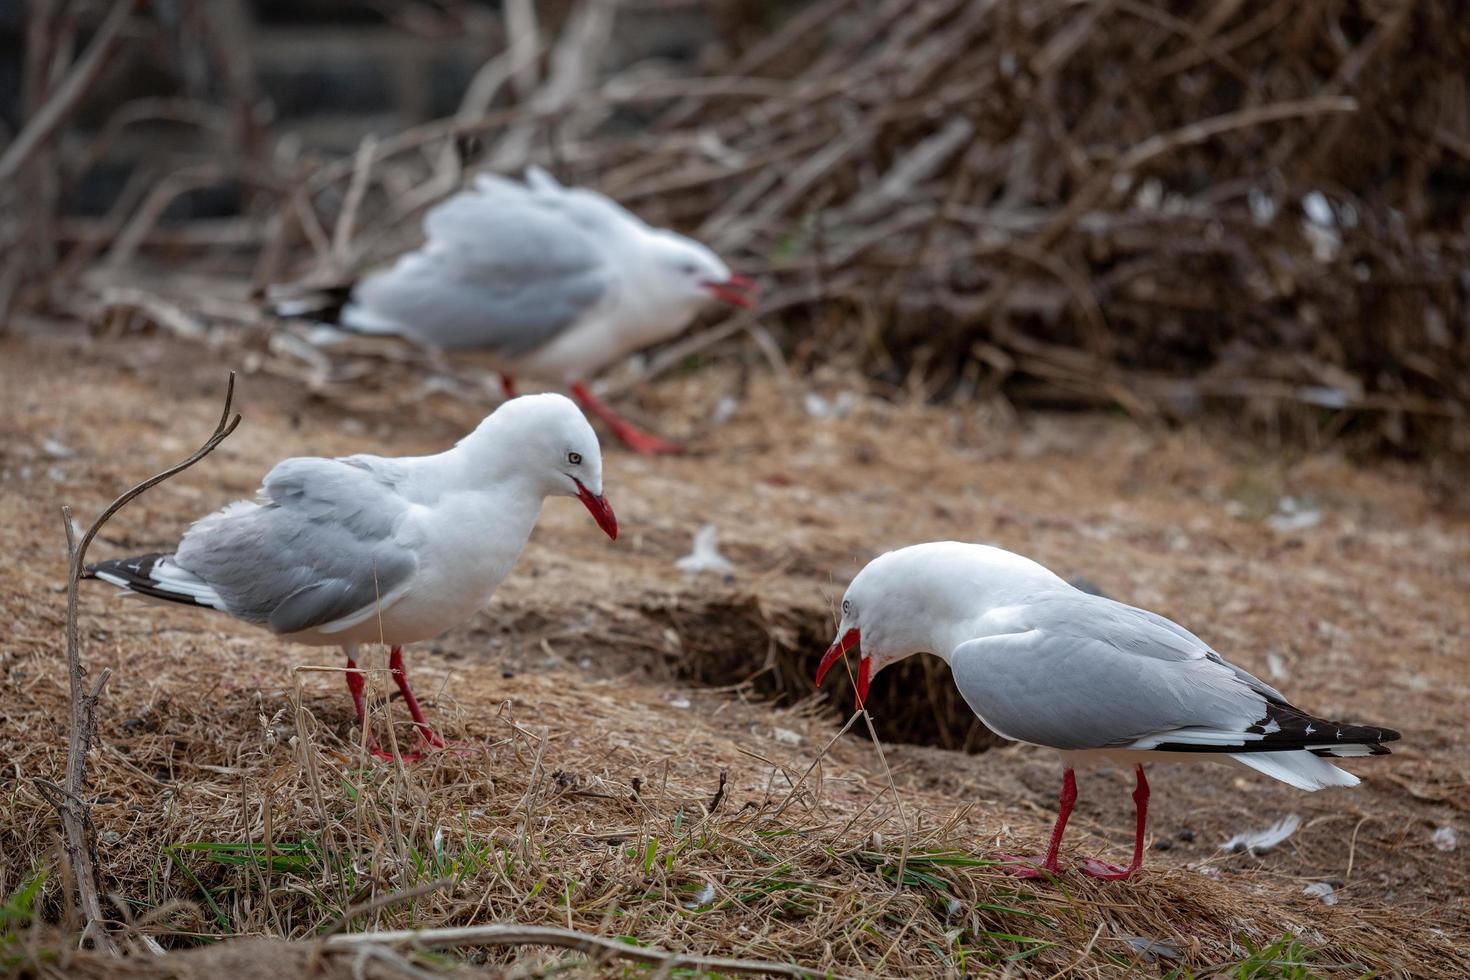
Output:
x,y
479,493
646,305
950,602
943,638
485,461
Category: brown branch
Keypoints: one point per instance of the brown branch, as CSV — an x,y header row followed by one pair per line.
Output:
x,y
83,74
70,801
511,934
362,174
143,222
164,193
1188,135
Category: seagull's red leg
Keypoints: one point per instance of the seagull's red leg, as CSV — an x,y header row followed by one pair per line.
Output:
x,y
356,684
1044,864
1111,872
400,676
508,385
633,437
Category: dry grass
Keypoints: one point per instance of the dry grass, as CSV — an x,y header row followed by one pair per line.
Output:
x,y
233,800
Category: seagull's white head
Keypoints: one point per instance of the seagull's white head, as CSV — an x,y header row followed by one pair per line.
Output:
x,y
547,440
902,600
688,274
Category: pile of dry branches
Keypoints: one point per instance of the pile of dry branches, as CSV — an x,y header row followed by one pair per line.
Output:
x,y
1162,207
1148,205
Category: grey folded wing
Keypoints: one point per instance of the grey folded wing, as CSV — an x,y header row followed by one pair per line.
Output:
x,y
1081,672
320,550
505,273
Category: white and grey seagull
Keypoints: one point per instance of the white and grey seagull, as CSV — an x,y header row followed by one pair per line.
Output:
x,y
1044,663
553,282
372,549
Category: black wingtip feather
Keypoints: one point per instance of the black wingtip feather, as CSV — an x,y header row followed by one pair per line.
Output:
x,y
1290,726
322,305
1289,729
137,568
136,575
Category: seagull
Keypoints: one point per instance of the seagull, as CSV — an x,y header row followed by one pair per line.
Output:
x,y
373,549
553,282
1042,662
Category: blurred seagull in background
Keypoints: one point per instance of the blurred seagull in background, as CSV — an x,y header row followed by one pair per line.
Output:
x,y
371,549
1044,663
553,282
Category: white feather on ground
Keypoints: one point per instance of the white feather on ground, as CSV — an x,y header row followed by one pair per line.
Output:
x,y
1263,841
1323,891
705,555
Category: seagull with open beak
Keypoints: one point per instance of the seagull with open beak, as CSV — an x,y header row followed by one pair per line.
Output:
x,y
545,281
1042,662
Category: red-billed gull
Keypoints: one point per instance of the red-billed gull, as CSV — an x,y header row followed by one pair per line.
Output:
x,y
553,282
372,549
1042,662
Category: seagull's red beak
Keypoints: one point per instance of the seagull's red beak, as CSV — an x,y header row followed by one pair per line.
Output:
x,y
848,641
600,510
737,291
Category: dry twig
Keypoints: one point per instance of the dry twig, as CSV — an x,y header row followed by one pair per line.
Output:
x,y
518,935
70,801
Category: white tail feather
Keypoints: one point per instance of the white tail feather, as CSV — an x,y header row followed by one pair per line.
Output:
x,y
1300,769
363,320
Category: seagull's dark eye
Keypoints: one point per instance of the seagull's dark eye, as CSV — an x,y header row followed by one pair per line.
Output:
x,y
689,268
574,458
846,607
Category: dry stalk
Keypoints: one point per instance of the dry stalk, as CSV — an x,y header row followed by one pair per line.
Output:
x,y
70,802
362,173
510,934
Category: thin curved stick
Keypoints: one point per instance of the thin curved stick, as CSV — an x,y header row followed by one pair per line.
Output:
x,y
514,934
70,800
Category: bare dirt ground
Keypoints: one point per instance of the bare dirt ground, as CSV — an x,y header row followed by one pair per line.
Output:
x,y
599,698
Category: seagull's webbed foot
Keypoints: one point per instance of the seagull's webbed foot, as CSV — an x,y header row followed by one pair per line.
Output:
x,y
1094,868
386,756
428,745
1105,871
1032,866
432,741
1045,865
462,749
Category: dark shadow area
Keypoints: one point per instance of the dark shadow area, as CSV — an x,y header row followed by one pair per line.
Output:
x,y
736,640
